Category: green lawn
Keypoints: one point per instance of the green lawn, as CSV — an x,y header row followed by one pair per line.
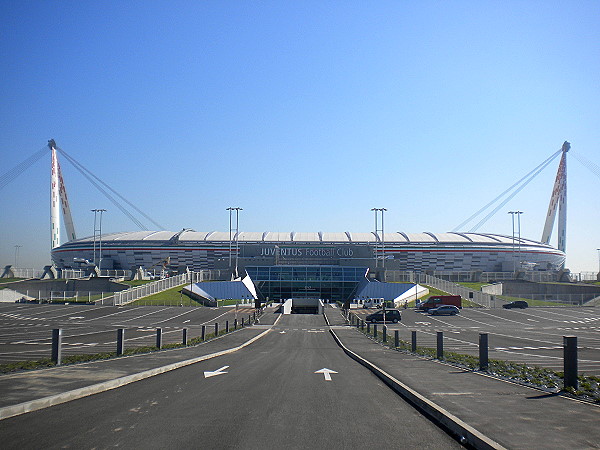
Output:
x,y
170,297
134,283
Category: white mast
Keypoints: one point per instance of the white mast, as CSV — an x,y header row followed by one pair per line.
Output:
x,y
59,193
558,200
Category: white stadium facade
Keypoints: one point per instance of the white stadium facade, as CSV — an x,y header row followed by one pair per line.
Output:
x,y
422,252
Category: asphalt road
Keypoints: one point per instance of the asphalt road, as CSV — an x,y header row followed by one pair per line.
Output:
x,y
532,336
273,394
26,329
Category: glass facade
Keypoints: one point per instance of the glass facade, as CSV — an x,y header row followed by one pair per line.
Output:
x,y
333,283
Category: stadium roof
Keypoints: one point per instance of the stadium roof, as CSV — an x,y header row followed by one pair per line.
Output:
x,y
346,237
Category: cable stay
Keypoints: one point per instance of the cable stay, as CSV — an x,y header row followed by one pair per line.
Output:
x,y
592,167
518,186
98,183
13,173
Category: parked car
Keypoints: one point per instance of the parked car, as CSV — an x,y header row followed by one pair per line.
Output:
x,y
444,310
391,315
516,304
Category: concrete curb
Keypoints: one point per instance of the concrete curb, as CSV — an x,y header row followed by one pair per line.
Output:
x,y
34,405
464,433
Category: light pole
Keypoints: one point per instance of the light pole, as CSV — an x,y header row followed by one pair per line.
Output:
x,y
382,238
237,232
598,250
99,229
518,213
17,247
512,213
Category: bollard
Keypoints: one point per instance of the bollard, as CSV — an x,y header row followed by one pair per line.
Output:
x,y
216,329
440,345
384,333
242,322
570,362
357,322
57,346
375,330
227,326
120,341
483,351
396,338
362,325
368,327
203,335
413,338
159,338
235,324
184,337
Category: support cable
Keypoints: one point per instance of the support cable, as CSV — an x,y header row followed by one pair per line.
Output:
x,y
13,173
592,167
108,196
89,175
519,189
535,172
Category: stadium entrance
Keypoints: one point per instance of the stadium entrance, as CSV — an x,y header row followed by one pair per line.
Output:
x,y
330,283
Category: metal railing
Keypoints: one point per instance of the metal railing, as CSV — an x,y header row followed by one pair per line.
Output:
x,y
135,293
479,297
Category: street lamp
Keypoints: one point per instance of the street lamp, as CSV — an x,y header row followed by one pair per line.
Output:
x,y
17,247
381,240
598,250
99,229
237,232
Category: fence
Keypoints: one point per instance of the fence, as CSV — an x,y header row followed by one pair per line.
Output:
x,y
455,289
130,295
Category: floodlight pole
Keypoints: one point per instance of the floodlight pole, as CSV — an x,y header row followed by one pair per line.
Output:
x,y
512,213
381,238
95,211
17,247
518,213
237,232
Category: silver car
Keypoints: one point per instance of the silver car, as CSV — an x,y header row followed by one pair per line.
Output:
x,y
444,310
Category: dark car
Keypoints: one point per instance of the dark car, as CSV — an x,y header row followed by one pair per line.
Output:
x,y
391,315
444,310
516,304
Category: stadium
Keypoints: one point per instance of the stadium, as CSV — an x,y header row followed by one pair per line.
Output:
x,y
451,252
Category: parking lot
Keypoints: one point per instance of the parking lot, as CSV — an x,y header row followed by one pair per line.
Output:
x,y
26,329
533,336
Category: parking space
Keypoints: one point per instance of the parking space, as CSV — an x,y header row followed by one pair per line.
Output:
x,y
533,336
26,329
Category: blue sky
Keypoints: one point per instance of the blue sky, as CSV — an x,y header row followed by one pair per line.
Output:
x,y
306,114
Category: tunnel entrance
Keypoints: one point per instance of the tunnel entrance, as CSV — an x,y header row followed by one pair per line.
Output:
x,y
303,306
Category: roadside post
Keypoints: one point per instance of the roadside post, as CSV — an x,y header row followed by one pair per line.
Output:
x,y
440,345
375,330
57,346
184,337
396,338
159,338
227,326
203,335
413,339
216,329
570,361
384,333
235,324
483,351
368,327
120,341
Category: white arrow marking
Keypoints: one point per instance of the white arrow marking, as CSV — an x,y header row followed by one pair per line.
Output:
x,y
208,374
327,373
282,332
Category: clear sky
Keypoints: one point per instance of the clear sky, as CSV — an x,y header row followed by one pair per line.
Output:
x,y
306,114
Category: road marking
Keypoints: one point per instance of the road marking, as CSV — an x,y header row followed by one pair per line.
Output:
x,y
208,374
326,373
424,323
186,321
316,331
282,332
76,317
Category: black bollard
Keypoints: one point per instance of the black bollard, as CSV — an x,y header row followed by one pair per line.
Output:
x,y
483,351
57,346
